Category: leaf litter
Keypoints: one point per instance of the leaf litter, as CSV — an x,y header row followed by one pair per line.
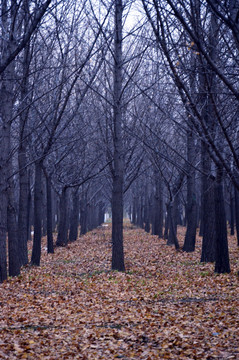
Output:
x,y
166,305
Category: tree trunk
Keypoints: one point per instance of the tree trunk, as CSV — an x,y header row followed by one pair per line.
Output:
x,y
44,207
29,211
165,235
157,225
23,206
191,207
74,220
208,211
232,212
22,160
222,264
101,213
62,238
83,215
118,175
13,250
134,211
3,194
172,237
146,214
237,214
6,108
50,245
36,251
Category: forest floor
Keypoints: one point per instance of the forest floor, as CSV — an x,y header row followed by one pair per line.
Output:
x,y
167,305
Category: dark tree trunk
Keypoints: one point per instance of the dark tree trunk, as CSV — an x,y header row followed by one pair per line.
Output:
x,y
83,216
208,89
237,214
172,214
44,207
232,217
146,215
157,225
134,211
74,220
139,214
29,211
62,238
3,231
201,220
23,206
54,210
23,215
6,111
222,264
101,213
118,175
13,250
36,251
191,207
89,217
50,245
165,235
208,211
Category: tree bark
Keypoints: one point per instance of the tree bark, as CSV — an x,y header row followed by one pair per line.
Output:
x,y
22,157
13,250
172,236
208,214
36,251
191,207
157,225
83,215
23,206
74,221
118,175
6,109
62,238
237,214
232,214
50,245
222,264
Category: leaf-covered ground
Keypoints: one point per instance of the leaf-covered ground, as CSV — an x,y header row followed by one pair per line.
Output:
x,y
167,305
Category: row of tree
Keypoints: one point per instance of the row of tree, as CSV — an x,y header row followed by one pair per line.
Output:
x,y
113,102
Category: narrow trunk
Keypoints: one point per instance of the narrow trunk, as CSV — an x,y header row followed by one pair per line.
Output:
x,y
83,216
146,214
6,100
232,217
208,89
44,207
134,212
29,211
23,206
36,251
62,238
157,226
50,246
222,264
237,214
13,251
118,175
101,213
74,221
191,207
172,237
22,159
165,235
208,211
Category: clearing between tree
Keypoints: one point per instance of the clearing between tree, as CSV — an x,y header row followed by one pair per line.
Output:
x,y
167,305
